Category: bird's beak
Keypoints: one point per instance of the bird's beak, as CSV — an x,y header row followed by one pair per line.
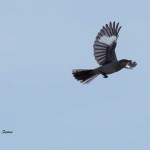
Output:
x,y
130,65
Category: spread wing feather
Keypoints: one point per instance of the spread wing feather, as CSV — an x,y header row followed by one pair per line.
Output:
x,y
105,43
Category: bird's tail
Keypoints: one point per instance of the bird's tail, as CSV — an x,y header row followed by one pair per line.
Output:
x,y
84,76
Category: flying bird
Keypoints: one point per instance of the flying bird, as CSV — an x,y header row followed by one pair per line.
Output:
x,y
104,52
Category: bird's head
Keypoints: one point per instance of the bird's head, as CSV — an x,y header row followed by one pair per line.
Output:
x,y
128,64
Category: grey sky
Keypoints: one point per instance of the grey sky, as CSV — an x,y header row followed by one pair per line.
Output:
x,y
41,41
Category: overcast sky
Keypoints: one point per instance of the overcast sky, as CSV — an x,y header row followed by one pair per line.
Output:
x,y
41,41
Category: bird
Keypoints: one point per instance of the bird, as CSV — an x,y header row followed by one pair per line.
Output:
x,y
105,55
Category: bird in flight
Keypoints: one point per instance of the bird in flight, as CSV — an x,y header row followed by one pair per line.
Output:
x,y
104,52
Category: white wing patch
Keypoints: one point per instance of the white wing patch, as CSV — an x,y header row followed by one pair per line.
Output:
x,y
107,40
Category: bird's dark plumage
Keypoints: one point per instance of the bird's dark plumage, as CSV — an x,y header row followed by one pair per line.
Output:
x,y
105,44
104,52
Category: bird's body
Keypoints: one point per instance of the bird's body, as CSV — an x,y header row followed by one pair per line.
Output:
x,y
109,68
104,52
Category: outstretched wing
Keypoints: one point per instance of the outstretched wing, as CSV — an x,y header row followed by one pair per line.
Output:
x,y
105,44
